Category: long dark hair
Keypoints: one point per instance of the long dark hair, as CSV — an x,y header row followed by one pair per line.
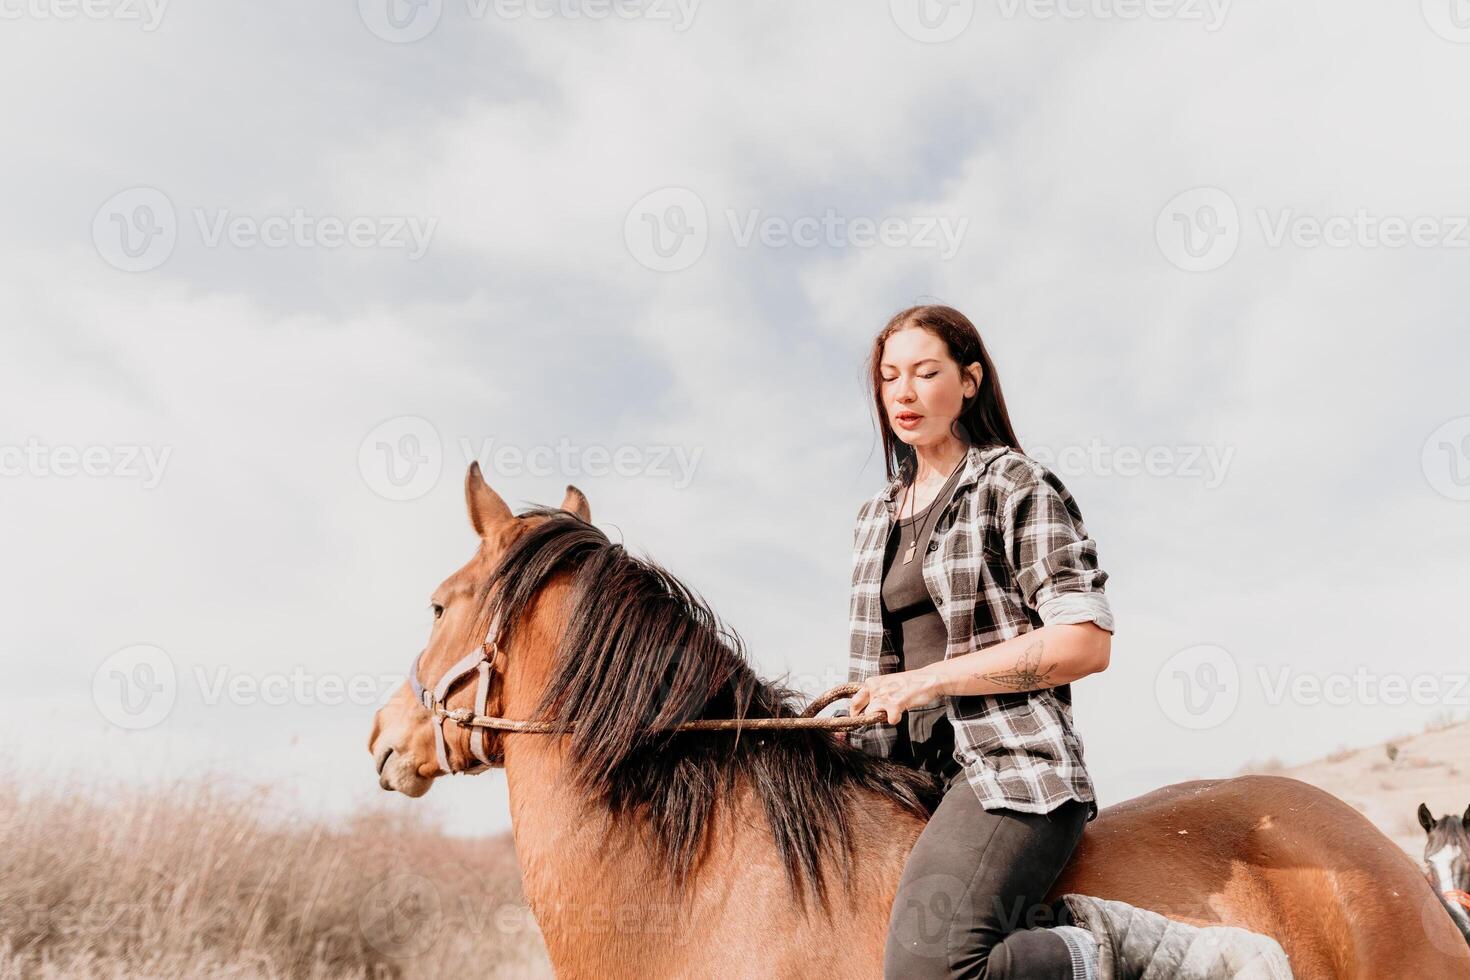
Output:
x,y
983,420
640,652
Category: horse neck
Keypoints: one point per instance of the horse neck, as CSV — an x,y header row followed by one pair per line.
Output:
x,y
599,900
604,905
605,908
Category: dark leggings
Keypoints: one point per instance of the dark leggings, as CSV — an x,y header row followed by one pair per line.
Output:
x,y
970,904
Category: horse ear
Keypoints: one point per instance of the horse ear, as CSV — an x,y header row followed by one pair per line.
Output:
x,y
1465,820
486,508
1426,819
575,502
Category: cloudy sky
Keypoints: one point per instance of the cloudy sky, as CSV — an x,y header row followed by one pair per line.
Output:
x,y
273,273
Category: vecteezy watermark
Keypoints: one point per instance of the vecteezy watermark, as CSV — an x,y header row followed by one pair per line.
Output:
x,y
667,230
668,923
136,230
298,686
1206,463
139,686
1198,687
566,458
937,21
1210,13
679,14
405,914
1363,229
401,21
148,13
406,21
932,21
1446,459
34,458
298,229
1364,686
1201,229
926,907
1450,19
403,458
76,918
833,230
135,687
402,915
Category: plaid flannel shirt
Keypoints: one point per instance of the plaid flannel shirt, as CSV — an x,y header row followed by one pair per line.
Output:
x,y
1008,553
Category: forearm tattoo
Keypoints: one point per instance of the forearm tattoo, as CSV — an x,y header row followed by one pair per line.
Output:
x,y
1027,674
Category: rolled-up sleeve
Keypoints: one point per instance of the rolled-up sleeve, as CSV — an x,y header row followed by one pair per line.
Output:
x,y
1051,554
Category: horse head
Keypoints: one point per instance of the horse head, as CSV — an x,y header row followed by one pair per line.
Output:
x,y
1447,849
411,742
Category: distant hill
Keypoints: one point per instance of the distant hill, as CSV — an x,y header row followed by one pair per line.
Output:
x,y
1387,782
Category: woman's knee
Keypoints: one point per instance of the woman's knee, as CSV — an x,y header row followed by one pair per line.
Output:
x,y
933,908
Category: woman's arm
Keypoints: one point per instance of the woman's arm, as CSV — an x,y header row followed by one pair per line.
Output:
x,y
1047,656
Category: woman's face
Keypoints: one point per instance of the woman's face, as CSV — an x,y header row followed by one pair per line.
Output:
x,y
923,388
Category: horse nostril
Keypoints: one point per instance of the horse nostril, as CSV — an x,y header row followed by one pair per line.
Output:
x,y
382,757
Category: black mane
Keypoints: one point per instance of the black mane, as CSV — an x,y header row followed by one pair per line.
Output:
x,y
641,652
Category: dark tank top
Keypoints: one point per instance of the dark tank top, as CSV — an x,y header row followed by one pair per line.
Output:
x,y
916,631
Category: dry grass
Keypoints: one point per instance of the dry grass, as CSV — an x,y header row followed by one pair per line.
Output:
x,y
204,881
1442,719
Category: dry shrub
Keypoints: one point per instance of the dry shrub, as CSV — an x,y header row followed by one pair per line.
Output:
x,y
1259,767
204,880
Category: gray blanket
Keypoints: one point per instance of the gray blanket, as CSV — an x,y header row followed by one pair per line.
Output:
x,y
1137,944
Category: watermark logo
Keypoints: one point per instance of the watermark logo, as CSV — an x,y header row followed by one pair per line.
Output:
x,y
34,458
932,21
401,459
1199,230
401,21
1446,459
1198,687
148,13
1364,686
1450,19
831,229
136,687
667,230
1362,229
298,687
926,908
139,686
679,13
402,915
135,230
1210,13
568,459
301,229
1209,464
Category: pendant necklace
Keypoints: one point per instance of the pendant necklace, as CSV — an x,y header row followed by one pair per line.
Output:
x,y
908,556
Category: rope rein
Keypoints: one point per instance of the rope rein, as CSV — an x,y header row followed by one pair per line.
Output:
x,y
466,718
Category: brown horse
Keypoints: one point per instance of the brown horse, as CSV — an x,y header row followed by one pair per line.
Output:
x,y
648,853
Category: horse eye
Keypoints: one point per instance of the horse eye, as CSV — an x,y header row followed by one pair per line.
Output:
x,y
438,610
